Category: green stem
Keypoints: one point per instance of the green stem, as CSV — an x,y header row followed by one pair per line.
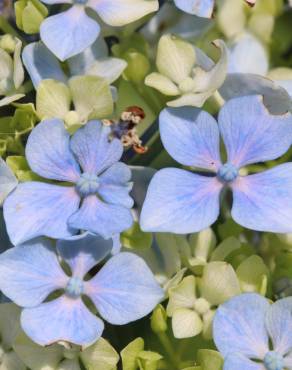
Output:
x,y
169,349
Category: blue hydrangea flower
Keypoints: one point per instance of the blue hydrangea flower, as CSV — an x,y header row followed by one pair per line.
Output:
x,y
180,201
95,196
70,32
253,334
123,290
201,8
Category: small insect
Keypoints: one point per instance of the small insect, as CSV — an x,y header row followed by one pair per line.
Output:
x,y
125,128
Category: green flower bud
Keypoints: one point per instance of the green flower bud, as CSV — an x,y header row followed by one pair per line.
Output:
x,y
138,66
159,319
29,15
8,43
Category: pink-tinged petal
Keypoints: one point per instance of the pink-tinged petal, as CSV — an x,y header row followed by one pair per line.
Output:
x,y
239,326
124,290
69,33
63,319
48,152
83,252
39,209
93,149
121,12
30,272
191,137
180,202
251,134
101,218
263,201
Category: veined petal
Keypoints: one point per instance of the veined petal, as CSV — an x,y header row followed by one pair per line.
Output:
x,y
115,186
101,218
263,201
36,209
162,84
83,252
8,181
63,319
191,137
186,323
48,152
251,134
92,147
108,68
41,64
180,202
278,323
237,361
124,290
239,326
30,272
69,33
202,8
121,12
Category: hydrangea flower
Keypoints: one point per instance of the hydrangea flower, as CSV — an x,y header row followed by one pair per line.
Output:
x,y
123,290
69,33
180,201
95,196
253,334
202,8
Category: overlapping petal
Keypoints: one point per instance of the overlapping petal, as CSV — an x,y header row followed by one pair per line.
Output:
x,y
93,148
69,320
181,202
237,361
101,218
69,33
7,180
83,252
122,12
39,209
251,134
41,64
48,152
191,137
263,201
30,272
124,290
202,8
239,326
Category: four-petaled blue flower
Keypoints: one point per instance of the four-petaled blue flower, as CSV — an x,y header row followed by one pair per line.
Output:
x,y
123,290
94,198
182,202
69,33
252,334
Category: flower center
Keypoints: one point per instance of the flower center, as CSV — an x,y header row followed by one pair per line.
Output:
x,y
75,287
273,361
87,184
227,173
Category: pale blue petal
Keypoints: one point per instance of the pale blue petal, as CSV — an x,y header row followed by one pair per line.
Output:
x,y
41,64
180,202
263,201
48,152
81,63
124,290
117,245
114,185
8,181
93,149
83,252
101,218
191,137
30,272
279,325
36,209
236,361
251,134
63,319
69,33
239,326
202,8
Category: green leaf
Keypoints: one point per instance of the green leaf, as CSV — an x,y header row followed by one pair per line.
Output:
x,y
135,238
131,353
100,356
